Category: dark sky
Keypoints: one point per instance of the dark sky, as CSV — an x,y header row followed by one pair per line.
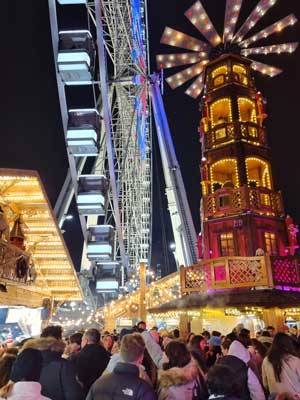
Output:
x,y
31,131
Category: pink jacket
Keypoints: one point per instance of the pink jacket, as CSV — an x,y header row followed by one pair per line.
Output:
x,y
26,391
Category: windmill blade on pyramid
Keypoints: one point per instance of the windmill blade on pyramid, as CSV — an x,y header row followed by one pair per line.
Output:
x,y
198,17
203,52
176,60
195,89
259,11
278,26
180,78
265,68
273,49
232,12
179,39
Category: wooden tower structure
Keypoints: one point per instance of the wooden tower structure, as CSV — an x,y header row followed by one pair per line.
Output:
x,y
242,213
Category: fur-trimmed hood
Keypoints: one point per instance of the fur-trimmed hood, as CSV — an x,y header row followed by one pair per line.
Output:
x,y
178,376
48,343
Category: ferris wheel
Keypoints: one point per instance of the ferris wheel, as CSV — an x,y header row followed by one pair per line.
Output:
x,y
103,66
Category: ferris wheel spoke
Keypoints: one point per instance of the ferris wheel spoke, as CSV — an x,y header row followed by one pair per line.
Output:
x,y
198,17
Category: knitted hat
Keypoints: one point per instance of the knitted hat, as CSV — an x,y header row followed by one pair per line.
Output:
x,y
27,366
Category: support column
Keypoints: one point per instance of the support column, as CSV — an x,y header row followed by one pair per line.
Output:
x,y
184,325
109,323
142,308
274,317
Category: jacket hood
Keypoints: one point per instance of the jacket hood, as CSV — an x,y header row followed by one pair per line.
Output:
x,y
238,350
178,376
48,343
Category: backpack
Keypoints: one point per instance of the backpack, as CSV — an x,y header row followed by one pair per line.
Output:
x,y
200,391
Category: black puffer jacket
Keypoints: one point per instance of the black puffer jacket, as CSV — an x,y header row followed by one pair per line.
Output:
x,y
58,378
90,363
122,384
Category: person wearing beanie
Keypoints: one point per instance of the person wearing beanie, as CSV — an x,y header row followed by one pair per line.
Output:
x,y
24,378
214,350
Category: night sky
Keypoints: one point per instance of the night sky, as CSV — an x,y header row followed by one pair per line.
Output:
x,y
31,130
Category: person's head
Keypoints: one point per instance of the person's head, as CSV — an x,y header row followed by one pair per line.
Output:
x,y
225,346
178,355
132,348
222,380
108,342
266,334
90,336
155,335
75,342
27,366
141,325
6,364
271,330
282,347
257,350
190,337
52,331
176,333
244,338
214,342
206,335
195,343
216,333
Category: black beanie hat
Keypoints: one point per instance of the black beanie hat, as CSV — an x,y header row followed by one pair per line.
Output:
x,y
27,366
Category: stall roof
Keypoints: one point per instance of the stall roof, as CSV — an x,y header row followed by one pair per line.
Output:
x,y
22,193
254,298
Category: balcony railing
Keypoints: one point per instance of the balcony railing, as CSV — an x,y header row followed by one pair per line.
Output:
x,y
227,132
229,201
240,272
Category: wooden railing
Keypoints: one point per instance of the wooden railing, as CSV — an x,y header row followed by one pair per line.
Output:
x,y
228,201
240,272
226,132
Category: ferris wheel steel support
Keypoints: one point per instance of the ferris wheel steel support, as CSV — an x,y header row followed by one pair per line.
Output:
x,y
108,126
64,115
182,223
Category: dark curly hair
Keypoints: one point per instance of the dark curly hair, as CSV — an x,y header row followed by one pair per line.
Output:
x,y
178,355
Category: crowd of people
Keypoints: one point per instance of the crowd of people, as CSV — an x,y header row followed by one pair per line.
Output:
x,y
141,364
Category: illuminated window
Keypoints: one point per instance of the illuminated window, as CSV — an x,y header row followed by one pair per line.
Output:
x,y
220,112
265,200
227,244
219,75
258,171
225,173
271,243
247,110
240,74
